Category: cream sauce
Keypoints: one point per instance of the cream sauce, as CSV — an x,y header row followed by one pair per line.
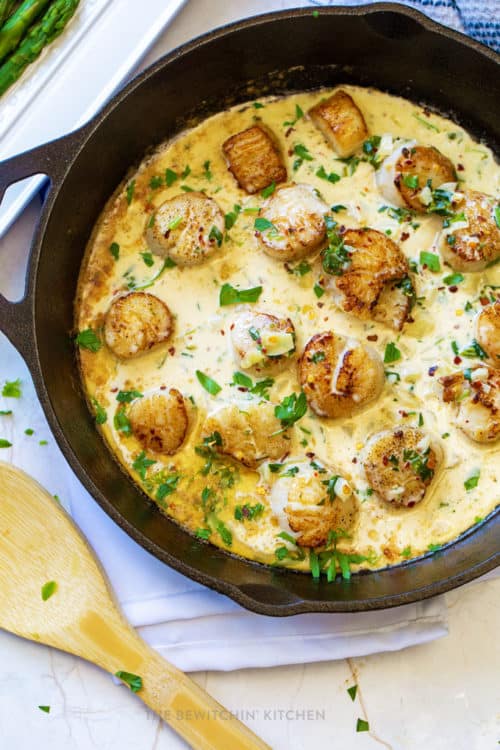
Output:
x,y
201,339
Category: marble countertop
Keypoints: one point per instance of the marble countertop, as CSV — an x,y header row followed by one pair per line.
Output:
x,y
437,696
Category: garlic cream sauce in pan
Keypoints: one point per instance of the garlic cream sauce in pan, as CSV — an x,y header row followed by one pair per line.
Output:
x,y
282,382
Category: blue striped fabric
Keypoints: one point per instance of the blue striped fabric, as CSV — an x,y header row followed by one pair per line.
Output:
x,y
478,18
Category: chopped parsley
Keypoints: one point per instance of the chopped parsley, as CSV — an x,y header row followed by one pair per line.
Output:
x,y
263,225
330,177
229,295
352,691
291,409
167,487
170,177
497,215
370,150
430,260
318,357
132,680
5,412
419,463
12,389
45,709
406,552
472,482
48,590
207,174
248,512
301,151
122,422
5,443
215,234
361,724
260,388
474,350
99,411
203,533
335,257
114,249
411,181
125,397
230,218
207,383
301,268
156,182
130,192
148,258
392,353
142,464
88,339
318,291
453,279
298,115
269,190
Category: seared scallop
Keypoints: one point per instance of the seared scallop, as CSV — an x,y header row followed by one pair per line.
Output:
x,y
373,280
187,229
470,239
340,376
407,177
400,464
254,158
488,332
477,400
160,421
311,503
136,323
249,432
262,341
341,122
296,222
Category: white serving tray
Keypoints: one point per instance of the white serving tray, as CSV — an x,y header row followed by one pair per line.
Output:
x,y
73,78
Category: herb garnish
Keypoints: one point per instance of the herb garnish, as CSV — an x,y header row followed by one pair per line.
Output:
x,y
260,388
352,691
12,389
361,724
125,397
392,353
142,464
100,413
88,339
335,257
330,177
114,249
132,680
291,409
431,260
269,190
229,295
122,422
298,114
48,590
208,384
472,482
248,512
130,191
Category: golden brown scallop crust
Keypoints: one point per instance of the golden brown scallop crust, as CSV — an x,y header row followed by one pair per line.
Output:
x,y
136,323
160,421
473,247
187,228
426,163
400,464
369,286
298,219
341,122
339,376
477,400
254,158
250,432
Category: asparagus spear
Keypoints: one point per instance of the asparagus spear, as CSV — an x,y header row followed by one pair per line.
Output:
x,y
40,34
15,28
6,9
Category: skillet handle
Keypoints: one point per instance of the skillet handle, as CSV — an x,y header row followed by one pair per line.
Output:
x,y
51,159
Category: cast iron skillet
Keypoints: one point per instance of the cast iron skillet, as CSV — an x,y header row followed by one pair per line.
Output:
x,y
384,45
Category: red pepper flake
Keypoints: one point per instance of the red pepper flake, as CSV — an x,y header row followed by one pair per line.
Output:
x,y
310,454
287,133
114,390
163,387
321,304
457,360
453,289
404,236
171,351
484,301
460,167
372,337
354,460
222,332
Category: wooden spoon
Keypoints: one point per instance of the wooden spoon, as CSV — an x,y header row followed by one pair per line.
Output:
x,y
39,544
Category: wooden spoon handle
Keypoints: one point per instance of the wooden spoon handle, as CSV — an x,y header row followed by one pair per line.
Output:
x,y
203,722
